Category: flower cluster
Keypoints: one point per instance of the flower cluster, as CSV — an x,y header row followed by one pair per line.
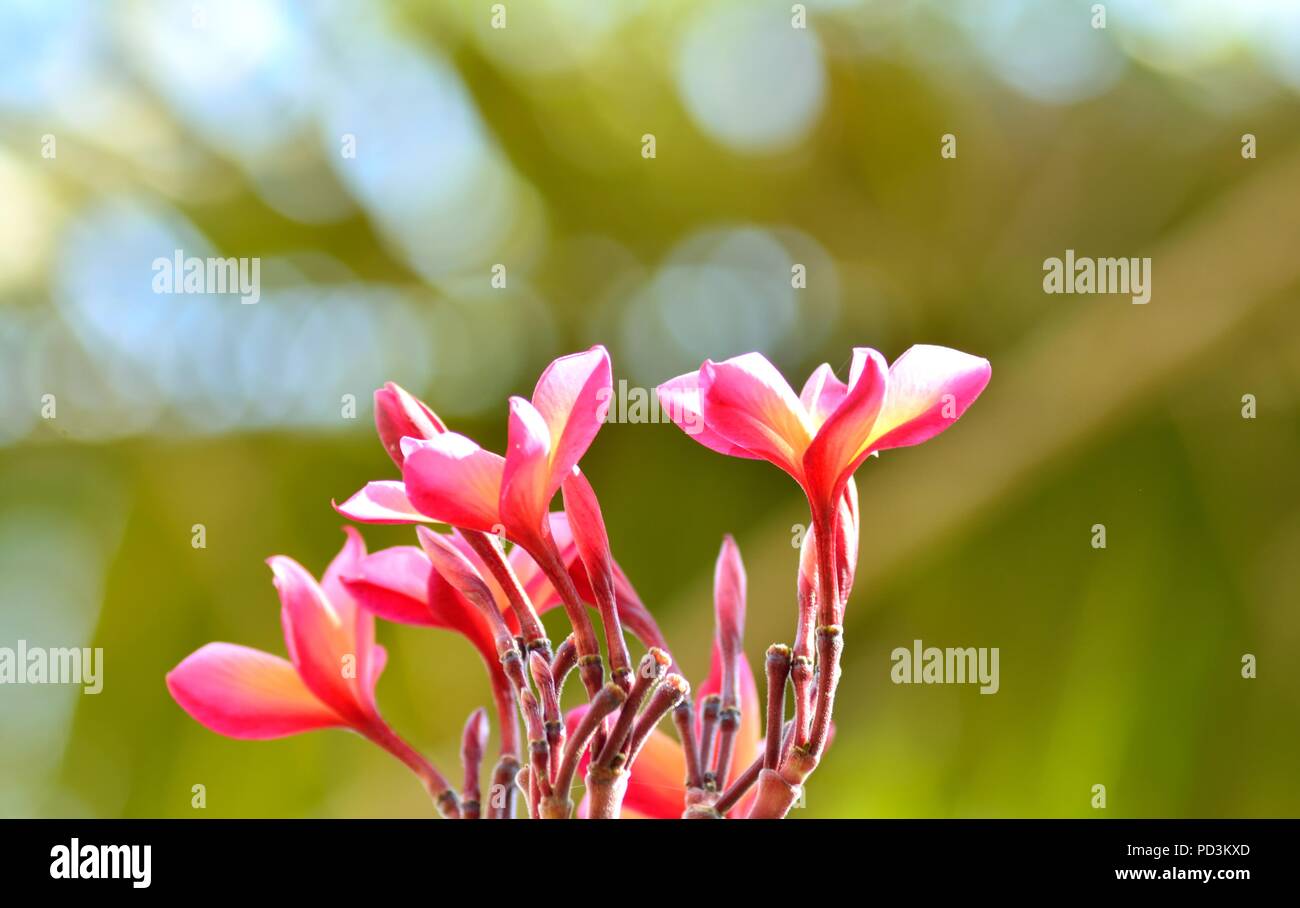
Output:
x,y
508,559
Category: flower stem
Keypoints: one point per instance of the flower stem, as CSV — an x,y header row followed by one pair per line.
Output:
x,y
489,550
590,666
501,796
778,670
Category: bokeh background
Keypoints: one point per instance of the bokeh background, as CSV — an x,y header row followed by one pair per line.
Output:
x,y
220,126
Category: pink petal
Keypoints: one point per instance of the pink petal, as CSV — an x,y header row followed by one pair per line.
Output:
x,y
452,565
346,562
588,528
399,414
573,397
748,402
535,582
834,452
525,491
393,583
929,388
245,693
822,393
846,539
680,398
381,502
729,614
656,790
453,480
321,644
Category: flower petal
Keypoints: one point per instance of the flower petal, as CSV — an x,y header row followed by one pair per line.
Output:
x,y
347,562
822,393
657,790
393,583
381,502
729,616
399,414
245,693
846,539
748,402
589,534
680,398
573,397
322,646
525,491
833,454
452,565
453,480
929,388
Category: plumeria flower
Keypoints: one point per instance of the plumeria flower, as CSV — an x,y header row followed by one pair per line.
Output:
x,y
448,478
821,436
452,480
398,414
744,407
404,422
328,681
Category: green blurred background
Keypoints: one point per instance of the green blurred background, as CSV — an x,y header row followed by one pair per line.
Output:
x,y
222,128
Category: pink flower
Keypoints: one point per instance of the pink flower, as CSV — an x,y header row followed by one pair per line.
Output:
x,y
328,681
821,436
451,479
398,415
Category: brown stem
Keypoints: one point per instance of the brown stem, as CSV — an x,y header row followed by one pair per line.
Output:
x,y
501,797
830,645
472,743
684,719
667,695
605,790
545,683
778,670
736,790
728,724
775,797
590,667
648,672
566,657
608,699
538,748
489,551
710,707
